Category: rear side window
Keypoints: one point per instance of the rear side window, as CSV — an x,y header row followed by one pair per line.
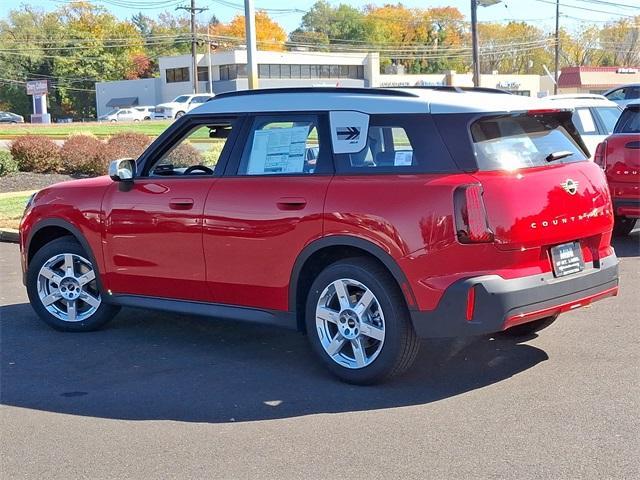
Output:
x,y
399,144
584,122
608,117
522,141
629,121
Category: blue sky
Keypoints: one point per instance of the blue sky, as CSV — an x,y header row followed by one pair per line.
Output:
x,y
540,12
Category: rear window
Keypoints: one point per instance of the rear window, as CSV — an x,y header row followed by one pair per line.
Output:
x,y
629,121
522,141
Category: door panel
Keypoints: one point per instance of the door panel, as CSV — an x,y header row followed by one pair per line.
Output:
x,y
153,237
254,229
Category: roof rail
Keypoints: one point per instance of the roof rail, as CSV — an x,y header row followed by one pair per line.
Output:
x,y
361,90
456,89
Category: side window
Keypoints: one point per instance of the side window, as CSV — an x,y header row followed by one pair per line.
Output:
x,y
407,143
283,144
631,93
608,117
387,146
584,122
616,94
196,153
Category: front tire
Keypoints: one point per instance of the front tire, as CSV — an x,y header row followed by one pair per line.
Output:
x,y
179,114
358,322
623,226
63,289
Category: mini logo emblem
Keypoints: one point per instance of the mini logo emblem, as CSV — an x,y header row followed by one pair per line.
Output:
x,y
570,186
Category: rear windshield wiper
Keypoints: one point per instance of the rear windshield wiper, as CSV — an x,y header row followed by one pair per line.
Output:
x,y
553,156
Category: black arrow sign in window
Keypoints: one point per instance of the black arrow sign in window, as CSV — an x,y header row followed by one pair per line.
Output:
x,y
348,133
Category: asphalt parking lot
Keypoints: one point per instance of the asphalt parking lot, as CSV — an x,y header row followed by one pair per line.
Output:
x,y
165,396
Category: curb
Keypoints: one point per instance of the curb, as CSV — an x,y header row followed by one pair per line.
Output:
x,y
9,235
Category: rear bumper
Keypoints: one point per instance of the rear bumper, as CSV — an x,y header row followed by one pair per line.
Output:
x,y
627,207
499,303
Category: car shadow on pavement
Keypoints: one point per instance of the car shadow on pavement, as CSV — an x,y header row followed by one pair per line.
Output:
x,y
154,366
628,246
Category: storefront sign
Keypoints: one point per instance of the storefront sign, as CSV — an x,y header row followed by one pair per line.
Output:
x,y
37,87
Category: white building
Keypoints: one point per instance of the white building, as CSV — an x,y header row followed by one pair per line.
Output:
x,y
286,69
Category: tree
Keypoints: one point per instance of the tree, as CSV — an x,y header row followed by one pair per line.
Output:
x,y
269,34
336,24
620,42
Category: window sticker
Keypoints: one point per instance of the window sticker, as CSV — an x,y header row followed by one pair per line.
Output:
x,y
278,150
348,131
586,120
403,159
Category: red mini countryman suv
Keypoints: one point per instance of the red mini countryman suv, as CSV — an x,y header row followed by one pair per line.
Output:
x,y
619,157
367,218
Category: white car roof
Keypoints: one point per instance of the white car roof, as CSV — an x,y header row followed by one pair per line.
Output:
x,y
367,100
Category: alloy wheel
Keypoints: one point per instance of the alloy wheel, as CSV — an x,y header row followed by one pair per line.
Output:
x,y
350,323
67,287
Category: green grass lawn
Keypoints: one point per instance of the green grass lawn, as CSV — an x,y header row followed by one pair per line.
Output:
x,y
11,208
99,129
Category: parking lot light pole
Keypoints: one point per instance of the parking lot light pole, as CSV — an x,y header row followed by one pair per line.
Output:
x,y
474,36
250,32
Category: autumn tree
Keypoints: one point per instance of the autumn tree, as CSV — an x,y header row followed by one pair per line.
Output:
x,y
269,34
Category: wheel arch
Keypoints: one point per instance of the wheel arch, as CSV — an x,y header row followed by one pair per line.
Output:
x,y
51,229
320,253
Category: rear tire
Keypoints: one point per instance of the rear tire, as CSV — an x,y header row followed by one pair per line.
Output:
x,y
63,289
358,323
623,226
529,328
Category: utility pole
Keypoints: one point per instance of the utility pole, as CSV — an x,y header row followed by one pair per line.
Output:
x,y
556,73
474,36
474,41
250,32
194,41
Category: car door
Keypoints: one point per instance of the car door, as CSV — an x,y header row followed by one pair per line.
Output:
x,y
153,226
266,208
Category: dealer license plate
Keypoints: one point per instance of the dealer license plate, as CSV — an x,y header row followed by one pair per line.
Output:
x,y
567,259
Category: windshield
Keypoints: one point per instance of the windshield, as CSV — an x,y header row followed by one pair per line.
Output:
x,y
609,116
182,99
111,112
522,141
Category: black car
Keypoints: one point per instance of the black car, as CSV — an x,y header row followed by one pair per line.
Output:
x,y
8,117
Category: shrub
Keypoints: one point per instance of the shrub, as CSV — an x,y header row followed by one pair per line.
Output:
x,y
82,153
126,145
7,163
184,155
35,153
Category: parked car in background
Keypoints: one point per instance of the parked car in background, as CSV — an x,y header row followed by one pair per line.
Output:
x,y
131,114
146,110
619,157
180,105
367,218
8,117
594,116
624,94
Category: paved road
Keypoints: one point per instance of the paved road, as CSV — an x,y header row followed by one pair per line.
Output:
x,y
165,396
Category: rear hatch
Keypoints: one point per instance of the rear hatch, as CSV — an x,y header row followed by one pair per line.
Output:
x,y
539,189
